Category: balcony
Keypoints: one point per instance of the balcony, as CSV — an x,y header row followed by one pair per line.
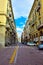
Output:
x,y
32,23
40,26
11,20
38,7
7,26
10,31
9,15
12,34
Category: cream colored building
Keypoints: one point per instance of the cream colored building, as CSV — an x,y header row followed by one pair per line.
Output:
x,y
22,37
35,22
25,35
7,23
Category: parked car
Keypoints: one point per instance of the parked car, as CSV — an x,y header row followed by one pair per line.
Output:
x,y
40,46
22,42
25,43
31,44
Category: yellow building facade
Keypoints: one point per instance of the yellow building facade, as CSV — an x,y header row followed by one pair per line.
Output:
x,y
7,25
34,25
36,21
25,34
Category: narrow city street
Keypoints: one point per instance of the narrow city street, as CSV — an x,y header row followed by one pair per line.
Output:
x,y
21,55
21,32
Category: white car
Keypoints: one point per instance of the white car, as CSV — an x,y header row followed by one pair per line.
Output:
x,y
31,44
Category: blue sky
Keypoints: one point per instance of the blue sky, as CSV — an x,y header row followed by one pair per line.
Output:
x,y
21,9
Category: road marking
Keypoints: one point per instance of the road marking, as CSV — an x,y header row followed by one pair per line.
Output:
x,y
13,55
16,57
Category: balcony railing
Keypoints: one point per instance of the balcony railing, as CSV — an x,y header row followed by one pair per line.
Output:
x,y
7,26
38,7
40,26
9,15
32,22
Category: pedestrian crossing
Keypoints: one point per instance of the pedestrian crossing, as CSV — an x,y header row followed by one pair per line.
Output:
x,y
23,47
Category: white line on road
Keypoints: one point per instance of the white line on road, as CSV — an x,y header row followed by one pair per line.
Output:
x,y
16,57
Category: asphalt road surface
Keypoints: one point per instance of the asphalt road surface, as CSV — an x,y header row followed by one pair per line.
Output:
x,y
21,55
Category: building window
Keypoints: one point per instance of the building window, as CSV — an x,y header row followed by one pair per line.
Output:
x,y
41,33
40,22
10,15
36,34
39,13
37,0
36,26
38,7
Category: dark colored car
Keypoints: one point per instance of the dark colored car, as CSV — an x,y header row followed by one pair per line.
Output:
x,y
22,42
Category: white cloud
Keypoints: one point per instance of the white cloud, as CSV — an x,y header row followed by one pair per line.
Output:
x,y
19,34
19,29
21,8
